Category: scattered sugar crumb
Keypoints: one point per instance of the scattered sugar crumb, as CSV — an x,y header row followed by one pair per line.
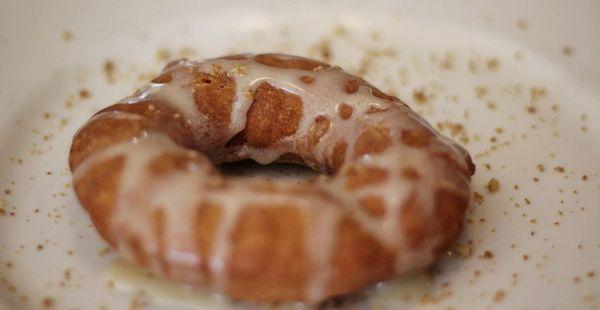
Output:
x,y
478,198
487,255
84,93
493,185
48,303
464,250
493,64
499,295
66,35
568,50
109,70
420,96
522,24
163,55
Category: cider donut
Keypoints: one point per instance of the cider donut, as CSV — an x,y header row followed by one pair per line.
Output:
x,y
391,198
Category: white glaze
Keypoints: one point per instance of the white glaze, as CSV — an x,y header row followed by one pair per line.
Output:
x,y
320,242
178,195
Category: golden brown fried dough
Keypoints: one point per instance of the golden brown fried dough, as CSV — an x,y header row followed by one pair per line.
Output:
x,y
394,199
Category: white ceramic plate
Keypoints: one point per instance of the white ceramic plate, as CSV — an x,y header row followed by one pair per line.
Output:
x,y
515,81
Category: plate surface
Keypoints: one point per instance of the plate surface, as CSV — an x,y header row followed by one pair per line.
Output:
x,y
517,83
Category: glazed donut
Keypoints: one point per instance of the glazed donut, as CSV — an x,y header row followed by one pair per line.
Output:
x,y
391,197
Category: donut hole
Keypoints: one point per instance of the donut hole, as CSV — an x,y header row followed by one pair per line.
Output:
x,y
289,168
291,158
237,140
